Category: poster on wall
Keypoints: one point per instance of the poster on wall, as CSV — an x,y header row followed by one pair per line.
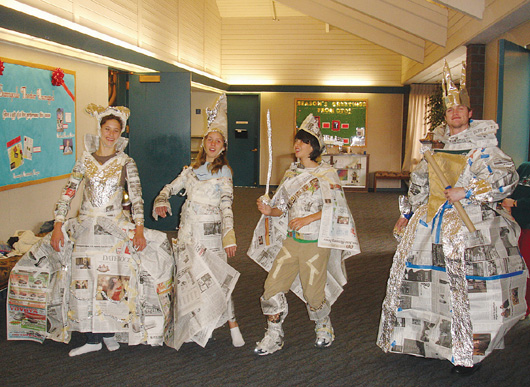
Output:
x,y
37,130
342,120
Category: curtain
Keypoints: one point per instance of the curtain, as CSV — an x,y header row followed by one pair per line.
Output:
x,y
416,126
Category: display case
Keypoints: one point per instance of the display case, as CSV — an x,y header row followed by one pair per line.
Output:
x,y
351,168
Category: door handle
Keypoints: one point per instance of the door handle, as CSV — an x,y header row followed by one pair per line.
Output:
x,y
254,150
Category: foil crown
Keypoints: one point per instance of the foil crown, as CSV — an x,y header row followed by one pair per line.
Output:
x,y
452,95
310,125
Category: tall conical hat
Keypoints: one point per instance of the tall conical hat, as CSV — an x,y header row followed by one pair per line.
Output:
x,y
310,125
217,118
451,94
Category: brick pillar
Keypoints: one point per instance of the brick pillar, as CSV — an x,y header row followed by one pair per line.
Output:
x,y
475,70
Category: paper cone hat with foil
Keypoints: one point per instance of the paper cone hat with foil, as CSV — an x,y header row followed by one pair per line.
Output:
x,y
217,118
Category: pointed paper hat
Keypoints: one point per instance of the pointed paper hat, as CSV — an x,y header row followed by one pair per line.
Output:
x,y
453,96
217,118
99,112
310,125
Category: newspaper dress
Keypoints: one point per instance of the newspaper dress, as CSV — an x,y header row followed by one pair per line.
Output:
x,y
451,294
204,280
98,282
337,227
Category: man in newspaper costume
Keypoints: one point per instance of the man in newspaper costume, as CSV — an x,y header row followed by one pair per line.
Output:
x,y
302,238
453,294
204,280
101,273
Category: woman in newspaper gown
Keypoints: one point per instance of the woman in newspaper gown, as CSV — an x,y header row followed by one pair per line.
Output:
x,y
103,276
204,280
452,294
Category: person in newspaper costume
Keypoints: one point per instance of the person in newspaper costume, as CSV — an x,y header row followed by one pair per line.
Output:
x,y
304,234
518,204
206,237
101,272
453,294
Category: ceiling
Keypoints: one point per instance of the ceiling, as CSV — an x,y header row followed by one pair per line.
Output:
x,y
402,26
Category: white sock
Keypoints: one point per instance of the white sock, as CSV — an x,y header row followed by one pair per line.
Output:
x,y
111,343
237,338
85,349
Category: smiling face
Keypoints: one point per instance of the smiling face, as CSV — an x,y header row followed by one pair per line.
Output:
x,y
110,132
302,150
457,118
214,144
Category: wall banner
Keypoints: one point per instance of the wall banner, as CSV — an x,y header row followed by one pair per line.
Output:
x,y
343,119
37,129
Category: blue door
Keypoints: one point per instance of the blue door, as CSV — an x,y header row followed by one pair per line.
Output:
x,y
243,138
513,110
160,136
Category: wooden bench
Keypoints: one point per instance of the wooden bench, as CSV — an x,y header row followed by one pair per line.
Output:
x,y
387,175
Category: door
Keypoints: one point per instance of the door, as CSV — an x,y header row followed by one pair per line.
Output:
x,y
243,138
513,113
159,136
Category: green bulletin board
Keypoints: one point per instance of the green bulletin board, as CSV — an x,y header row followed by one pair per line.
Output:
x,y
37,129
340,118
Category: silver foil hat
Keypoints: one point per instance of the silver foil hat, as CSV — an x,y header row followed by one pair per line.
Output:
x,y
217,118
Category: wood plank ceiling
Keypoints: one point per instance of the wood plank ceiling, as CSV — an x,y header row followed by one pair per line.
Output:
x,y
402,26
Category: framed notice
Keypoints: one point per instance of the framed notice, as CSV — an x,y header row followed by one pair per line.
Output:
x,y
343,119
37,131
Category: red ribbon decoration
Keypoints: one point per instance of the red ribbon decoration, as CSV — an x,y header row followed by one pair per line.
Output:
x,y
1,67
57,80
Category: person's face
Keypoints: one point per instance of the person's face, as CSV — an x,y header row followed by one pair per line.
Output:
x,y
457,118
214,144
301,149
110,132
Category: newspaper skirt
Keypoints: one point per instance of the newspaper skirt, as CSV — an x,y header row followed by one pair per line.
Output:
x,y
97,283
451,294
204,283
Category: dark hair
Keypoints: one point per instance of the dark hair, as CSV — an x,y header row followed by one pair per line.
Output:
x,y
111,117
216,165
308,138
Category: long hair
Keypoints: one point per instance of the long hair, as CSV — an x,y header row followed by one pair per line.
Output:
x,y
216,165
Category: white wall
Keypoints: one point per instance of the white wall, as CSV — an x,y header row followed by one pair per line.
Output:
x,y
26,208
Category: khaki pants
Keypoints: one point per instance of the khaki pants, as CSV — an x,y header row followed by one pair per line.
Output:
x,y
306,259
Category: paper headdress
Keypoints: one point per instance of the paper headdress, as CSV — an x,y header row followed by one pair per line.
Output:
x,y
99,112
310,125
217,118
453,96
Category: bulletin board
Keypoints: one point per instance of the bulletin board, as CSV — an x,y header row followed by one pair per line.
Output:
x,y
340,118
37,131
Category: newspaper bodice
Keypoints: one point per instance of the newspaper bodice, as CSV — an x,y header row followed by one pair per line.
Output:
x,y
307,200
103,192
488,175
207,201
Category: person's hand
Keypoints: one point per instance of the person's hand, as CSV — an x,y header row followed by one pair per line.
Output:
x,y
455,194
161,211
139,241
401,224
297,223
231,251
508,203
57,239
265,209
